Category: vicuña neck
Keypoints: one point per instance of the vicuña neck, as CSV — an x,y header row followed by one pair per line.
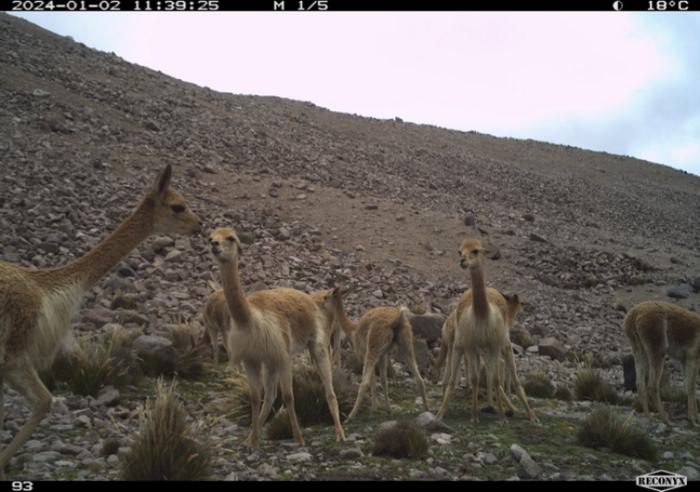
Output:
x,y
89,269
235,297
479,301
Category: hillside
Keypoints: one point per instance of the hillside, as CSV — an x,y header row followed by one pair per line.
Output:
x,y
323,199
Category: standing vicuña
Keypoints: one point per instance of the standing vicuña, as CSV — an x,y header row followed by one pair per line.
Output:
x,y
373,336
37,305
657,329
481,332
267,328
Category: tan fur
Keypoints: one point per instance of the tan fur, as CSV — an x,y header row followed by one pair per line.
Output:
x,y
656,329
268,327
481,335
334,331
217,321
377,332
37,306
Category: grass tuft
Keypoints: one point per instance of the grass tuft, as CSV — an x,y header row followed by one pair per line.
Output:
x,y
590,385
603,429
167,446
539,385
401,440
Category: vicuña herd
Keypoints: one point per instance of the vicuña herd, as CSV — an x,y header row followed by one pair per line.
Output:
x,y
263,330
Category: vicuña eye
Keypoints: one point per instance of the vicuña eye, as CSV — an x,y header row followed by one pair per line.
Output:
x,y
177,208
231,238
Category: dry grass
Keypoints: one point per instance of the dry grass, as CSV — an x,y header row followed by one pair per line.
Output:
x,y
563,393
167,446
590,385
189,358
539,385
401,440
111,362
603,429
310,402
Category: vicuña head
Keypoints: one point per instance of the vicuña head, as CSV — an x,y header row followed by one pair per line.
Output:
x,y
472,253
171,214
225,245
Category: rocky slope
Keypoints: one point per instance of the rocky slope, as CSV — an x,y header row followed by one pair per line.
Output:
x,y
322,198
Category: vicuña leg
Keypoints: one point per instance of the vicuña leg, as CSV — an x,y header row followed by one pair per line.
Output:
x,y
641,369
384,364
371,360
453,370
26,381
510,367
253,373
474,373
321,357
409,357
690,369
656,369
270,394
285,380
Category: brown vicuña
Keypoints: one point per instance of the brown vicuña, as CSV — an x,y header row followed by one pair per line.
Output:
x,y
657,329
378,331
509,305
481,334
37,305
267,328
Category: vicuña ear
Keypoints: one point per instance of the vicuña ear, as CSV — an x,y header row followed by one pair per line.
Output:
x,y
163,180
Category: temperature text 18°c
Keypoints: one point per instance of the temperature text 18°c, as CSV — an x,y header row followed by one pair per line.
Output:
x,y
661,5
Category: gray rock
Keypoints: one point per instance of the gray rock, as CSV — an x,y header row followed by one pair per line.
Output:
x,y
429,422
441,438
300,457
351,454
668,455
34,446
628,373
162,242
46,457
108,396
283,234
427,326
98,316
113,460
231,477
487,458
537,238
551,347
679,291
690,472
70,449
527,466
158,351
696,284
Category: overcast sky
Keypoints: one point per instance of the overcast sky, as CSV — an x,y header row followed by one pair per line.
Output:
x,y
625,83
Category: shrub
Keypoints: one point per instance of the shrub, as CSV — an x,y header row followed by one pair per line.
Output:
x,y
123,301
538,384
189,357
401,440
590,385
96,364
602,429
167,447
563,393
310,402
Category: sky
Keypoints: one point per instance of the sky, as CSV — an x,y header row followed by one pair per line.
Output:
x,y
622,82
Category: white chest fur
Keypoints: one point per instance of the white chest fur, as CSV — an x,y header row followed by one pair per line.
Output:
x,y
58,308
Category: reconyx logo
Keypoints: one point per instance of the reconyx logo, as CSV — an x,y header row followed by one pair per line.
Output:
x,y
661,480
